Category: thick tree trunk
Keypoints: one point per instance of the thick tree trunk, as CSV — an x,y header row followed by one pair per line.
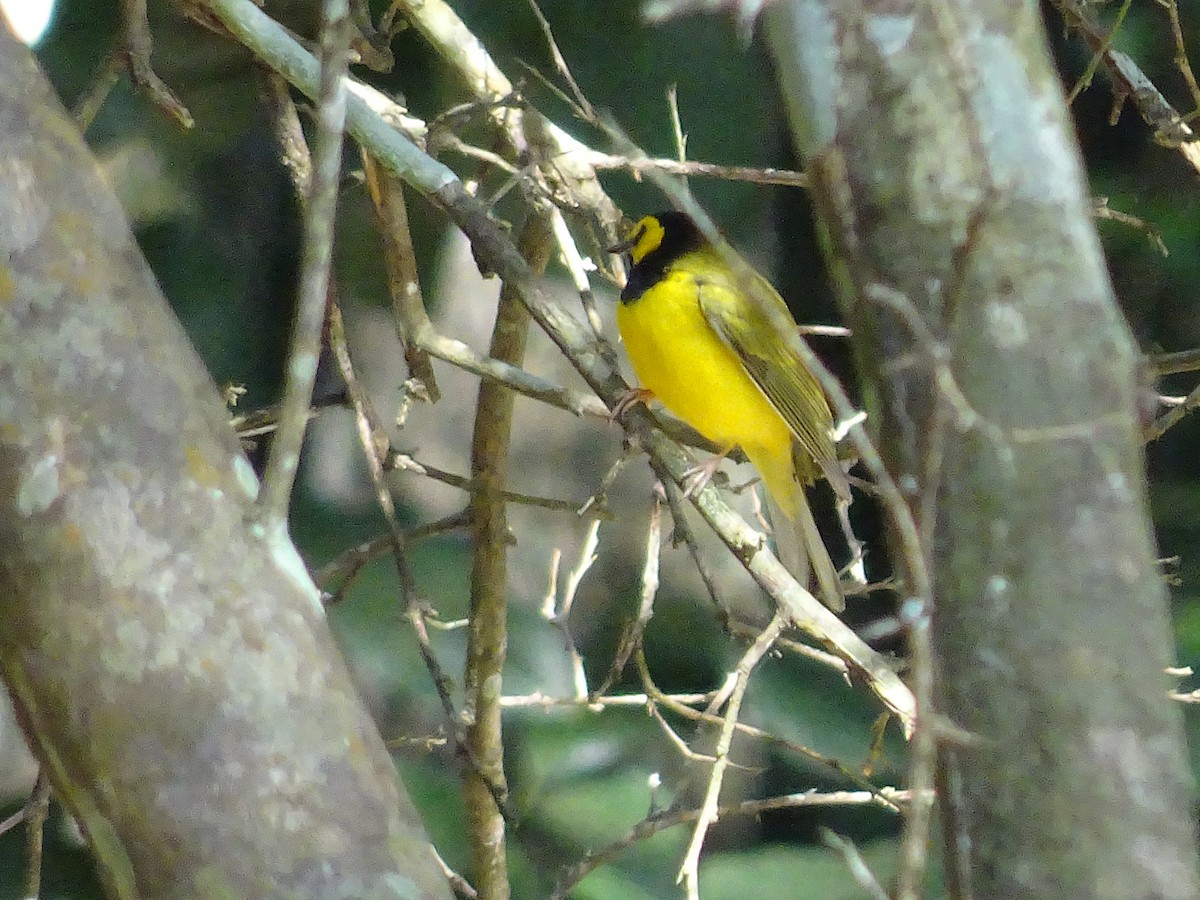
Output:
x,y
1001,384
169,660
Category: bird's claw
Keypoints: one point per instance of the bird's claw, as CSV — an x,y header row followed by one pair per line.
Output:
x,y
697,477
628,399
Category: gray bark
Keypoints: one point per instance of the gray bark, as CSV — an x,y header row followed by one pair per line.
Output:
x,y
1000,378
168,658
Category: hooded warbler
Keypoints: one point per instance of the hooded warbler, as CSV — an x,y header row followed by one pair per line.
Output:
x,y
700,340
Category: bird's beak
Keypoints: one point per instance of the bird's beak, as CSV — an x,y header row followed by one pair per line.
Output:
x,y
623,247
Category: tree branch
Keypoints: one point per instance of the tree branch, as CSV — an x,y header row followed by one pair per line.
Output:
x,y
169,661
492,245
1003,384
320,208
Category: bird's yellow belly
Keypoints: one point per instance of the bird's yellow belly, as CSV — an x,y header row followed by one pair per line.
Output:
x,y
677,355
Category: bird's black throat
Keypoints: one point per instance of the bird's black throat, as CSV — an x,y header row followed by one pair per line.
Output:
x,y
680,236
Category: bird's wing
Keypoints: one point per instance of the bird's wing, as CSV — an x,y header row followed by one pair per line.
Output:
x,y
779,373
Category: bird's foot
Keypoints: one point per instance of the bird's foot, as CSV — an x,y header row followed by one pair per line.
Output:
x,y
628,399
695,478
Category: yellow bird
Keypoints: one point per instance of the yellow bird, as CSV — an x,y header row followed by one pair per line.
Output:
x,y
700,340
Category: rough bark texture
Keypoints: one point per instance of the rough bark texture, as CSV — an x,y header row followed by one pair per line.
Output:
x,y
1000,378
169,660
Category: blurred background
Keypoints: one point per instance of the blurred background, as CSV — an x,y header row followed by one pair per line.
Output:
x,y
213,211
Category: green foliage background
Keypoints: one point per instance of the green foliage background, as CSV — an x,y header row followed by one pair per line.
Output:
x,y
212,211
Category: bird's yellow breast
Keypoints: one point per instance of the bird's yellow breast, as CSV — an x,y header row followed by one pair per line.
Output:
x,y
677,355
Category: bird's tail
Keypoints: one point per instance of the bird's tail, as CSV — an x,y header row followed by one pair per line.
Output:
x,y
802,551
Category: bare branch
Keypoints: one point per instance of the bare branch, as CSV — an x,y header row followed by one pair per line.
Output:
x,y
1171,363
137,49
888,798
575,340
36,811
1172,417
1181,55
863,876
560,62
1129,81
317,254
631,635
347,566
487,639
689,871
408,306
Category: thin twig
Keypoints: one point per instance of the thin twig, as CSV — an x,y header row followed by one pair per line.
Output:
x,y
316,258
1172,417
404,286
265,419
37,809
644,165
402,462
631,636
459,354
345,567
658,697
1101,210
373,439
91,101
830,660
1085,80
587,558
560,62
677,125
887,798
137,49
538,700
859,870
689,871
1181,55
681,531
577,269
8,824
491,157
558,613
681,745
289,133
458,884
1173,363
